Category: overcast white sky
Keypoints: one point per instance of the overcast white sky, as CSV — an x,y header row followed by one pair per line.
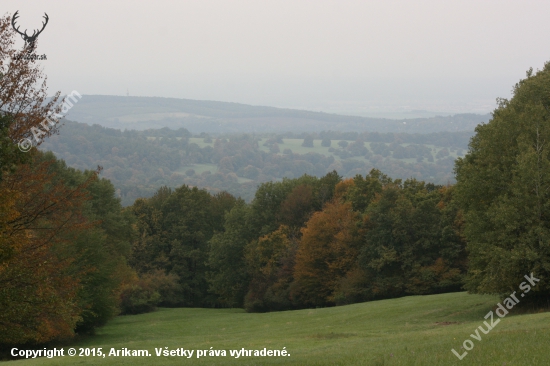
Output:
x,y
353,57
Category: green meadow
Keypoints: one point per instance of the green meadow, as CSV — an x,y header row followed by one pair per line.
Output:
x,y
416,330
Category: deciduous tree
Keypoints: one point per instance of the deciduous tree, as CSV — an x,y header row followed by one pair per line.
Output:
x,y
38,285
503,185
327,251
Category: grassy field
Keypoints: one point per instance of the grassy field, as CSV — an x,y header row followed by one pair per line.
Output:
x,y
417,330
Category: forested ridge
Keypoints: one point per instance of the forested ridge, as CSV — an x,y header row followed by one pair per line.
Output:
x,y
72,257
142,113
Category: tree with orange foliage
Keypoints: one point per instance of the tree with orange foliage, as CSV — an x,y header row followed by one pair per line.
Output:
x,y
328,251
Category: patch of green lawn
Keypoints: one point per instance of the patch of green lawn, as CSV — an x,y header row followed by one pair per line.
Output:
x,y
416,330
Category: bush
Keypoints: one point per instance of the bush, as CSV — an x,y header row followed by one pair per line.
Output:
x,y
167,285
308,142
143,294
137,299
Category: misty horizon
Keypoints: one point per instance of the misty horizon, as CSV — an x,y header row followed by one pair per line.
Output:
x,y
392,59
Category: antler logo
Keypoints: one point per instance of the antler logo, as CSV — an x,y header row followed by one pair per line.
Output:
x,y
29,40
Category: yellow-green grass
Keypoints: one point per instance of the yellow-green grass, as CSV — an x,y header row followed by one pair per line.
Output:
x,y
416,330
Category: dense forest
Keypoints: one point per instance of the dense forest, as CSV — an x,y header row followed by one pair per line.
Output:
x,y
140,162
302,242
72,257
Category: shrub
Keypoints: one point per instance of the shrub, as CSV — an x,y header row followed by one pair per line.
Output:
x,y
308,142
144,293
167,286
138,298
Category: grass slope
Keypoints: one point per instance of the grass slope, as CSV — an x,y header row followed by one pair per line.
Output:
x,y
416,330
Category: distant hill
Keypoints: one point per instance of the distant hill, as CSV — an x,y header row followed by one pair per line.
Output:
x,y
140,113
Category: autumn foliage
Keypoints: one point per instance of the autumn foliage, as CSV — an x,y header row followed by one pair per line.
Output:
x,y
371,237
328,251
62,258
37,216
38,292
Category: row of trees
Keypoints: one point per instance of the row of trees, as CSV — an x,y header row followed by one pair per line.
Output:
x,y
303,242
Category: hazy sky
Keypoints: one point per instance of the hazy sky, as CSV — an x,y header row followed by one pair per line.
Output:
x,y
354,57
